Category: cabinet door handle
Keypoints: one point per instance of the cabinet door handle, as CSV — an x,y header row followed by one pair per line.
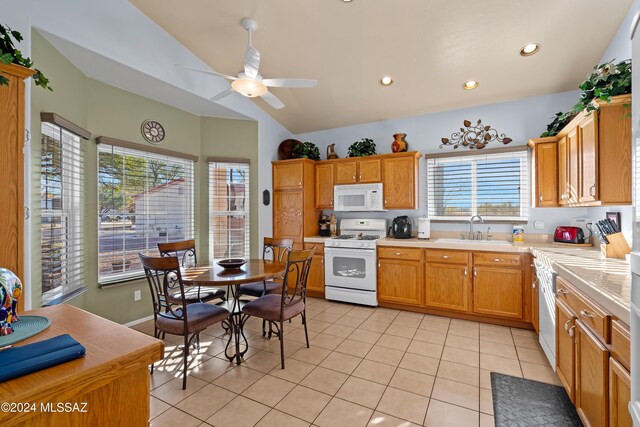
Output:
x,y
585,313
571,331
299,182
592,190
322,260
566,324
475,273
378,263
541,198
398,253
465,272
354,177
445,256
498,260
561,291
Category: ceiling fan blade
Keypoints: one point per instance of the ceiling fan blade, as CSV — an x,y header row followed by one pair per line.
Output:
x,y
211,73
272,100
251,62
296,83
222,95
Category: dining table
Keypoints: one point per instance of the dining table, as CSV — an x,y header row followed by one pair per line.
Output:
x,y
212,274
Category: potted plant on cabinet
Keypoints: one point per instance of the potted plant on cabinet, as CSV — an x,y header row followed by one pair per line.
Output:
x,y
307,150
364,147
10,55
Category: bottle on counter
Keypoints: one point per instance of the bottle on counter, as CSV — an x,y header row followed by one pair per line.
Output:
x,y
333,225
518,234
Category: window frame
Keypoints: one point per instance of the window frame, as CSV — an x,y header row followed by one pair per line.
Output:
x,y
229,163
154,153
519,152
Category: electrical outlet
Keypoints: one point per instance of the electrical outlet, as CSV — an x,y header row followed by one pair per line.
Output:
x,y
538,225
137,295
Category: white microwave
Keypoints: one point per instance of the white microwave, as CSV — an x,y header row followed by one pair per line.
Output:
x,y
358,197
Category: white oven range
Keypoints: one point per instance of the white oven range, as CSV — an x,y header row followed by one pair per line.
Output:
x,y
350,261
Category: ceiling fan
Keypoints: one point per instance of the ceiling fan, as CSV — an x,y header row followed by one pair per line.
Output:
x,y
248,82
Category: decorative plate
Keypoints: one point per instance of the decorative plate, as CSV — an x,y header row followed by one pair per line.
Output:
x,y
232,263
24,328
152,131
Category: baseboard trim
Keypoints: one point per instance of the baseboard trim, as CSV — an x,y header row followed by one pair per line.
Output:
x,y
135,322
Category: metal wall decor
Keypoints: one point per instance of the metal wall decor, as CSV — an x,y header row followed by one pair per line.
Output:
x,y
474,136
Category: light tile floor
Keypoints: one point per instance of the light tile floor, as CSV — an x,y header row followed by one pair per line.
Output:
x,y
366,367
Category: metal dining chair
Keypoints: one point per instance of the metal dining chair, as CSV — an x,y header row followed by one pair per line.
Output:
x,y
290,302
185,252
175,315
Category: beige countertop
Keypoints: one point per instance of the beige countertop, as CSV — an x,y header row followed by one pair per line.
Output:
x,y
606,280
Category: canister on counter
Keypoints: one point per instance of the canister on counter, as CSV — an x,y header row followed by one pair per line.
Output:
x,y
518,234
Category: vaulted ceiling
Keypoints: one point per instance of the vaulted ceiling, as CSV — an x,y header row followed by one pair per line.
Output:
x,y
429,47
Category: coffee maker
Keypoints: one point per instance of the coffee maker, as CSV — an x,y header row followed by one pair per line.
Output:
x,y
324,225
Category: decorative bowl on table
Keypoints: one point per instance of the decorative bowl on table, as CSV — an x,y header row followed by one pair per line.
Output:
x,y
232,263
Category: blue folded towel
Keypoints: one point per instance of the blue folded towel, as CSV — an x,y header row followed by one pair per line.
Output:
x,y
19,361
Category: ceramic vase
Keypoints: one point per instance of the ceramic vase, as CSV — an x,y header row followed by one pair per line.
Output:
x,y
399,143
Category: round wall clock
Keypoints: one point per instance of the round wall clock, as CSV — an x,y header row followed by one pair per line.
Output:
x,y
152,131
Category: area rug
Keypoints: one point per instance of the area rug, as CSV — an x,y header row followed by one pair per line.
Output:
x,y
520,402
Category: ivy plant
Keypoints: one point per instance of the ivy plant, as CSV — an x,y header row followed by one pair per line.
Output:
x,y
364,147
605,81
10,55
307,150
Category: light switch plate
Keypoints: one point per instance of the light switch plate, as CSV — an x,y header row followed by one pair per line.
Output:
x,y
538,225
137,295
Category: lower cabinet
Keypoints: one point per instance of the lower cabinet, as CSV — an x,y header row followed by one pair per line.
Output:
x,y
497,291
446,286
619,395
592,378
565,348
400,281
315,281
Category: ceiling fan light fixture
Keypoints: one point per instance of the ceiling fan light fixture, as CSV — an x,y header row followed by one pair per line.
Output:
x,y
470,85
386,81
249,88
530,49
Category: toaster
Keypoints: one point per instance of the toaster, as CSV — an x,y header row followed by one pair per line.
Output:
x,y
567,234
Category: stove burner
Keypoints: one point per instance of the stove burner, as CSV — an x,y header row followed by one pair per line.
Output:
x,y
345,237
368,237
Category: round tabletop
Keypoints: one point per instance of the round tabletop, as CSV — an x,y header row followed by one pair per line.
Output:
x,y
255,270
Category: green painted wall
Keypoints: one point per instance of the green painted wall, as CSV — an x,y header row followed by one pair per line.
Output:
x,y
108,111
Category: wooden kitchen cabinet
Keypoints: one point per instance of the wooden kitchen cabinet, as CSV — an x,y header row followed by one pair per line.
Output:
x,y
400,281
401,181
447,286
315,281
497,291
346,172
619,395
563,171
573,167
592,378
588,159
294,213
324,186
544,155
565,348
369,170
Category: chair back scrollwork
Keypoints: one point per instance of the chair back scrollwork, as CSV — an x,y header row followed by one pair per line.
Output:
x,y
164,278
296,274
184,250
276,249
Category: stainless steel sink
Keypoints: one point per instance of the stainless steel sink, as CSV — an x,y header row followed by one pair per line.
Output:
x,y
479,242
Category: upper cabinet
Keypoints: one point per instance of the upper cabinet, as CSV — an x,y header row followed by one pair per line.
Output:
x,y
593,164
288,175
398,172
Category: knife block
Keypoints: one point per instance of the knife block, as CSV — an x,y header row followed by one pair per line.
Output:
x,y
617,247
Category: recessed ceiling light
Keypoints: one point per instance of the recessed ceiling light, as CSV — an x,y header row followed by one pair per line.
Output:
x,y
346,1
530,49
386,81
471,84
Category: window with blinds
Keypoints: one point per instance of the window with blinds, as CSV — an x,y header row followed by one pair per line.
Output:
x,y
144,198
229,226
62,244
492,185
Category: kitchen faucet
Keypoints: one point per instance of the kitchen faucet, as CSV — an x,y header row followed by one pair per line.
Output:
x,y
473,218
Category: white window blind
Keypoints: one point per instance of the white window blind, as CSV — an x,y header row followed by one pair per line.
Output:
x,y
493,185
62,244
229,227
144,198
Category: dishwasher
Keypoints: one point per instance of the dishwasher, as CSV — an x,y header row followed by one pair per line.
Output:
x,y
547,305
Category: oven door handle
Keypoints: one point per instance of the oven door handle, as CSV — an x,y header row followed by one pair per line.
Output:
x,y
352,251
